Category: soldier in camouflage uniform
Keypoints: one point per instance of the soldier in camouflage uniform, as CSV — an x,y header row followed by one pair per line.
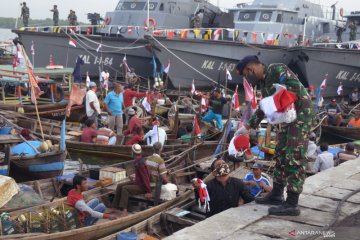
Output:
x,y
25,14
353,29
292,139
55,15
72,18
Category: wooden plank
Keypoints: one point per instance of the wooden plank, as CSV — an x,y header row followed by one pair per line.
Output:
x,y
311,217
279,228
338,194
349,184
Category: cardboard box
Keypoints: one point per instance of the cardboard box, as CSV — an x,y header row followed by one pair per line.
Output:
x,y
116,174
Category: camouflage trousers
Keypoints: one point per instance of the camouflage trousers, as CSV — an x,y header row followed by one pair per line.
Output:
x,y
290,168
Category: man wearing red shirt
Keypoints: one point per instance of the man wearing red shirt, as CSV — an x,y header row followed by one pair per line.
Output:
x,y
134,122
129,94
140,186
89,133
89,212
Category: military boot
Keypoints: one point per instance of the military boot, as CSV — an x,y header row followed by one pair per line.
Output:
x,y
275,197
289,207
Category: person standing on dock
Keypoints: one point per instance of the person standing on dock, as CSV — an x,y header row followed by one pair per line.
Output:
x,y
353,29
55,15
292,138
114,105
25,14
92,104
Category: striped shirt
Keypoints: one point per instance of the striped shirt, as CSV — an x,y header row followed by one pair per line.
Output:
x,y
156,166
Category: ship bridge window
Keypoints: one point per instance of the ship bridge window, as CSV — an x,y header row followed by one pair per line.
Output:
x,y
133,6
161,8
279,18
152,6
247,16
265,16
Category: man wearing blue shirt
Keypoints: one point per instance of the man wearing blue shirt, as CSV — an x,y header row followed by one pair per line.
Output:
x,y
256,182
114,105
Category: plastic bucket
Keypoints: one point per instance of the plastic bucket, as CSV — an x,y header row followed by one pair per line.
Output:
x,y
126,236
5,130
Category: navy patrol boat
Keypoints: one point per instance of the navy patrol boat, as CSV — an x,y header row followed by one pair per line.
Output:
x,y
105,43
265,28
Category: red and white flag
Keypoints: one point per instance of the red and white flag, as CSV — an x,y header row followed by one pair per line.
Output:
x,y
340,90
228,74
129,30
146,103
270,39
125,65
196,127
235,100
279,102
249,96
323,84
167,69
72,42
217,34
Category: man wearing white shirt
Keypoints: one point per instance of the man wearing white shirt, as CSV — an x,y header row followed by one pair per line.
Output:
x,y
92,103
157,134
312,148
324,160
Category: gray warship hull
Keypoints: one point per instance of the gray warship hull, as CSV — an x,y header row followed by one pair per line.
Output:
x,y
57,45
211,58
340,65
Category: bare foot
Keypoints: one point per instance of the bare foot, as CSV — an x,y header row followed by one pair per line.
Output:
x,y
111,210
124,213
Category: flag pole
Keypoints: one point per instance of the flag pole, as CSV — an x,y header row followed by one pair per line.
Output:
x,y
32,92
67,56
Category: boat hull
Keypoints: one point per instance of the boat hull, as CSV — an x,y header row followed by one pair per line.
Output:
x,y
352,134
37,167
341,65
211,58
57,45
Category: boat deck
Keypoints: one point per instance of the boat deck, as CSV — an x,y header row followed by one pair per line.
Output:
x,y
319,200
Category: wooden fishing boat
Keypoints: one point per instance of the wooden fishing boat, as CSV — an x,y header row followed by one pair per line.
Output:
x,y
104,227
352,134
52,128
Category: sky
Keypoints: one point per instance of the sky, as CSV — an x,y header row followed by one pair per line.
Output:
x,y
39,9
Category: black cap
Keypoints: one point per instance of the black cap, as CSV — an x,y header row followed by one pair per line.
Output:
x,y
243,62
350,146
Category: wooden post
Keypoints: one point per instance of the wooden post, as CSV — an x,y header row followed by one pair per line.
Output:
x,y
176,121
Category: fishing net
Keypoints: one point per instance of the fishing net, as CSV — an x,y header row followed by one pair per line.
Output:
x,y
44,220
26,197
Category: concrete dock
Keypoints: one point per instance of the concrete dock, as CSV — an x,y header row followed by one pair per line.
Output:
x,y
319,200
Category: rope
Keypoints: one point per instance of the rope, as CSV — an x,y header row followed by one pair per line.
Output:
x,y
108,46
183,61
358,105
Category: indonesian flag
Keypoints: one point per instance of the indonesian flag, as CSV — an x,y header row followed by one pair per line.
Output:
x,y
279,108
196,127
323,84
204,103
340,90
72,42
32,49
35,89
125,65
217,34
166,70
76,97
270,38
99,47
193,90
146,103
249,96
203,195
235,100
16,61
129,30
228,74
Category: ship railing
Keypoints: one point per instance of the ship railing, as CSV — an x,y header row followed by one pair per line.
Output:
x,y
343,45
